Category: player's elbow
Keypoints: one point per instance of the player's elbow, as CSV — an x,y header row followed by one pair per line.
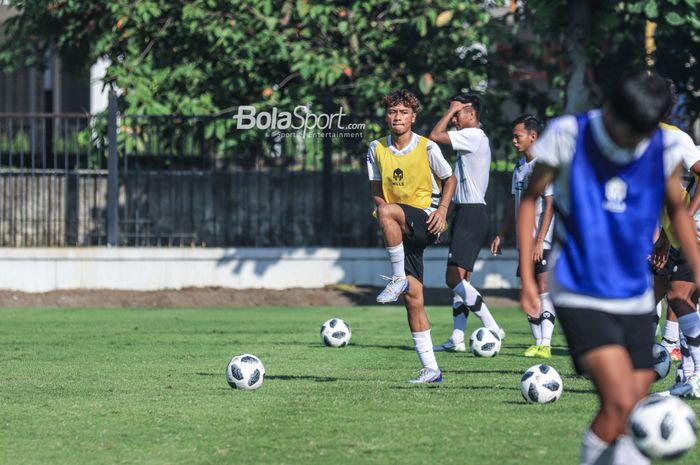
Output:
x,y
439,137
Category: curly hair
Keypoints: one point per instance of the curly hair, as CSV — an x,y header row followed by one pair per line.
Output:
x,y
402,96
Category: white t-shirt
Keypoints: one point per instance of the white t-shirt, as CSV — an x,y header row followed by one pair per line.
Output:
x,y
472,165
555,148
438,165
521,175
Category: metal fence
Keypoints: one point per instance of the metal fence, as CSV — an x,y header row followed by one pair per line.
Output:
x,y
74,180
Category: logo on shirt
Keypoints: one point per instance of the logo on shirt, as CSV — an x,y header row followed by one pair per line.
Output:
x,y
615,195
398,177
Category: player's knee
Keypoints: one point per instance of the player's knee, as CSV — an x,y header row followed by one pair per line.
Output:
x,y
412,301
384,211
620,404
680,303
451,278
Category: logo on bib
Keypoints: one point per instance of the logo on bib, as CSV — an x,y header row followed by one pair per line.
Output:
x,y
615,195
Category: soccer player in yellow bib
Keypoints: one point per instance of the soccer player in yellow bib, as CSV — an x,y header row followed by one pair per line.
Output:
x,y
412,186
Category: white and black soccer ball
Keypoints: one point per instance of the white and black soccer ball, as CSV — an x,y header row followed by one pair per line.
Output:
x,y
663,427
541,384
245,371
335,333
484,342
662,361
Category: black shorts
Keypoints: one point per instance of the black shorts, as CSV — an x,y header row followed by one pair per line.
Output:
x,y
541,266
467,234
587,329
415,240
678,267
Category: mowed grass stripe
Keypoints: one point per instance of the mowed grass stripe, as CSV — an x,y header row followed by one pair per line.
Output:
x,y
95,386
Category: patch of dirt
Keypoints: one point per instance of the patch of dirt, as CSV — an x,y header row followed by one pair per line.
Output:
x,y
331,296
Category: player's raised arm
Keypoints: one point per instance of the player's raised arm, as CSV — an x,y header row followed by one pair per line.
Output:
x,y
541,176
439,133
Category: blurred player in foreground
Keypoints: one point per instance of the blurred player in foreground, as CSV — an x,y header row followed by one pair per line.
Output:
x,y
612,169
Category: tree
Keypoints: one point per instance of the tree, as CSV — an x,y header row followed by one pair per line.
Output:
x,y
207,57
600,40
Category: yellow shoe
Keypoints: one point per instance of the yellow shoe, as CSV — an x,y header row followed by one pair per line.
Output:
x,y
531,351
544,352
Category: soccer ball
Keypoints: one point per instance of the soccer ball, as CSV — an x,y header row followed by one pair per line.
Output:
x,y
662,361
485,342
245,371
541,384
662,427
335,333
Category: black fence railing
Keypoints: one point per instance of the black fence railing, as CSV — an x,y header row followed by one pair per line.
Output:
x,y
188,181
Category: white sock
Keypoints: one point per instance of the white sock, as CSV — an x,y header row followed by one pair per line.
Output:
x,y
459,319
547,319
471,297
626,453
536,329
657,323
423,344
396,257
690,325
687,364
595,451
670,333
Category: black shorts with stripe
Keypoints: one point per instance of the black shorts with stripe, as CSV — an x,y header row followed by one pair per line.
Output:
x,y
415,240
467,234
587,329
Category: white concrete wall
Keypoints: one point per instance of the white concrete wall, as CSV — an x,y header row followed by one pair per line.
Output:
x,y
47,269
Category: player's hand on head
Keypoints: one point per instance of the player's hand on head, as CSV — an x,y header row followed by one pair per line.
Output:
x,y
456,106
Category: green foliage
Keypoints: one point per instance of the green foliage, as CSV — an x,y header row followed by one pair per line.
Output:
x,y
209,57
204,57
616,42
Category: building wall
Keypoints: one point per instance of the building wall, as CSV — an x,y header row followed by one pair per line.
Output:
x,y
145,269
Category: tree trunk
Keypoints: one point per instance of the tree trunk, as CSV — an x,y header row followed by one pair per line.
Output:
x,y
578,93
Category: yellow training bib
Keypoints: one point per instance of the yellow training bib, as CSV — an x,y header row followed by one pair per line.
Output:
x,y
406,177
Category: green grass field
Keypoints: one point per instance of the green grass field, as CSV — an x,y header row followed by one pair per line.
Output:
x,y
98,386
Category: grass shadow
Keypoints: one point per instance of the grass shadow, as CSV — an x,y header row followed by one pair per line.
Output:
x,y
488,388
481,372
318,379
579,391
382,346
